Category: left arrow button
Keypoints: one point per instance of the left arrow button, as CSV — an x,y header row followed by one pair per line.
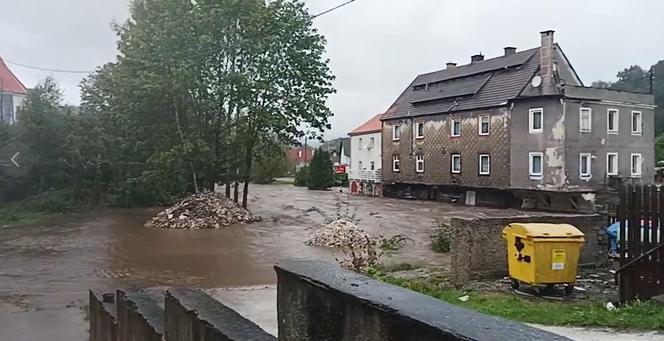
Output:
x,y
13,159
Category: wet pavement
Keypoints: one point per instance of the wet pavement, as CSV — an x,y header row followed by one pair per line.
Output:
x,y
46,269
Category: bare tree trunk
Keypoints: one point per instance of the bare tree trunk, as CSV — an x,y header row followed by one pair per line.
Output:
x,y
236,184
181,133
249,158
228,189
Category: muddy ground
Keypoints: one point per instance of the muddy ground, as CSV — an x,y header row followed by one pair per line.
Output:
x,y
47,268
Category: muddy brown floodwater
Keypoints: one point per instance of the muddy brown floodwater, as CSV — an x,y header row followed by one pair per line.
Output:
x,y
46,269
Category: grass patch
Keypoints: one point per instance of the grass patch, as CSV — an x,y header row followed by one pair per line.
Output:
x,y
38,207
638,315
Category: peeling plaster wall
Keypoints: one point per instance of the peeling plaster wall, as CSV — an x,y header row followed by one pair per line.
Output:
x,y
438,145
598,142
550,142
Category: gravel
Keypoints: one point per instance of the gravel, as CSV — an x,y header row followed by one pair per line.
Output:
x,y
205,210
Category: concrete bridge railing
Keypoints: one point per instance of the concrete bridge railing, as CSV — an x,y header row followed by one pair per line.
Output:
x,y
316,301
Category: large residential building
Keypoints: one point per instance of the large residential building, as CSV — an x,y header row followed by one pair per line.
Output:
x,y
12,94
520,129
365,158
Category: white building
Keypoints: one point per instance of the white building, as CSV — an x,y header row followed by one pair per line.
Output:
x,y
12,94
365,158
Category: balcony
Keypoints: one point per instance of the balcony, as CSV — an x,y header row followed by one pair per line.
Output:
x,y
365,175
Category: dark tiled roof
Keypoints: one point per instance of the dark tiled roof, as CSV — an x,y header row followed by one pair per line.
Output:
x,y
581,92
336,144
475,68
451,89
500,79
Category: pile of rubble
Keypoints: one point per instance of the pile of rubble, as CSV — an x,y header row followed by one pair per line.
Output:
x,y
205,210
340,234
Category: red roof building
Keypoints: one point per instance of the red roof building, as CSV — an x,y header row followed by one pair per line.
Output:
x,y
9,83
12,94
300,156
374,125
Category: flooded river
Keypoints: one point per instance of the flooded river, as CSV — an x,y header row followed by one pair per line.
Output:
x,y
46,269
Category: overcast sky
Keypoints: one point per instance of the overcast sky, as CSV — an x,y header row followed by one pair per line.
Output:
x,y
376,47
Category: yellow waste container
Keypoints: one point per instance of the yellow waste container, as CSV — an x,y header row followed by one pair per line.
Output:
x,y
543,254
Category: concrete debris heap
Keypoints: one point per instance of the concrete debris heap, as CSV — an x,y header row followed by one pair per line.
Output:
x,y
340,234
205,210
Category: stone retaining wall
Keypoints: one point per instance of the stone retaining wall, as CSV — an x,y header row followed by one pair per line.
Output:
x,y
478,249
319,301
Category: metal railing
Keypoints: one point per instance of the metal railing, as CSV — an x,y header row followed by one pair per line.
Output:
x,y
365,175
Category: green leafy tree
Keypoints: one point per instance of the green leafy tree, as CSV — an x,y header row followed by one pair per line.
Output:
x,y
199,87
321,174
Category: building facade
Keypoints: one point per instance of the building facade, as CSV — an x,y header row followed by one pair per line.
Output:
x,y
12,95
339,150
515,130
365,174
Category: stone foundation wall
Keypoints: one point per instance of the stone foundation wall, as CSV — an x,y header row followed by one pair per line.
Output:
x,y
478,249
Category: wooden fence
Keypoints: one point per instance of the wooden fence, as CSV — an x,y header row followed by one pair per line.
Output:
x,y
640,242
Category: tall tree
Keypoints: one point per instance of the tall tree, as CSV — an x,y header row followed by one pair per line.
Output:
x,y
198,86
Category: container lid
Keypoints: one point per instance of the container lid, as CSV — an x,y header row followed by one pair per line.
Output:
x,y
543,230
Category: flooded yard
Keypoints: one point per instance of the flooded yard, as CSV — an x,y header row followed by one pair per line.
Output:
x,y
46,269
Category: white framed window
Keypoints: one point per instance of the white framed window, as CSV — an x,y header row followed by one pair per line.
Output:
x,y
585,164
372,165
359,143
455,127
635,164
585,119
637,123
396,133
372,142
611,163
484,165
536,120
396,164
536,165
612,119
456,163
419,163
419,130
484,125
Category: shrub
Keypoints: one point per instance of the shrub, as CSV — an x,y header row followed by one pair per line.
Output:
x,y
302,177
442,238
321,175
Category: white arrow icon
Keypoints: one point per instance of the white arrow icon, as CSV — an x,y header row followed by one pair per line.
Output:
x,y
13,159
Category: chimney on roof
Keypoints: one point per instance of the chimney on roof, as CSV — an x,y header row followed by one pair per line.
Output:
x,y
476,58
546,62
510,50
450,65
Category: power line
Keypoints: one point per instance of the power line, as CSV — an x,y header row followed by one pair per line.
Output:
x,y
333,9
58,70
46,69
